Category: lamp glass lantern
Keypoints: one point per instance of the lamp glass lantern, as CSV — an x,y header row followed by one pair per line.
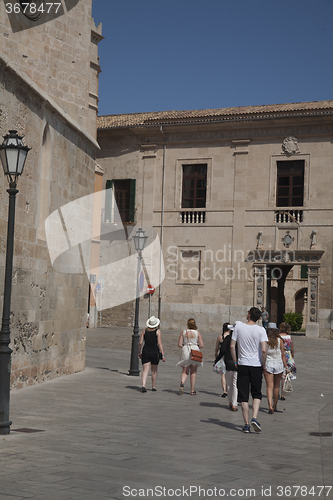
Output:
x,y
13,154
140,240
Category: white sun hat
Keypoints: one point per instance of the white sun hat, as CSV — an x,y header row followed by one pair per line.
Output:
x,y
153,322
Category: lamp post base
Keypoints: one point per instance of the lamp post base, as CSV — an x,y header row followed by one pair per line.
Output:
x,y
134,367
5,427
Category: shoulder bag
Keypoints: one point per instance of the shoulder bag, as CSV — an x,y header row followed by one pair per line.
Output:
x,y
195,355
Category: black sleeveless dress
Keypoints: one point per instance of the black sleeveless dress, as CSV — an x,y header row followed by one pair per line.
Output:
x,y
150,349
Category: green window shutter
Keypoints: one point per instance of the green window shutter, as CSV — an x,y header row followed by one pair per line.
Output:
x,y
304,271
131,211
108,201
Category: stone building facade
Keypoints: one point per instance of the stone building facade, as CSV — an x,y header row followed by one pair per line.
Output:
x,y
241,198
48,92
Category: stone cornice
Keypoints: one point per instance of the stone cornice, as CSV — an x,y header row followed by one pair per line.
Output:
x,y
272,256
224,134
96,37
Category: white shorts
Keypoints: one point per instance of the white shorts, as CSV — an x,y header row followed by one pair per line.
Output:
x,y
274,366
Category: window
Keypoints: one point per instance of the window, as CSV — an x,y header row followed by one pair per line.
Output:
x,y
194,186
290,183
122,193
304,271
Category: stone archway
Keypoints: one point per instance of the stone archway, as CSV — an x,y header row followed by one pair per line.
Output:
x,y
300,299
265,261
301,302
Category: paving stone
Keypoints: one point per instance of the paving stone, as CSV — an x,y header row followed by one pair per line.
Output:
x,y
100,433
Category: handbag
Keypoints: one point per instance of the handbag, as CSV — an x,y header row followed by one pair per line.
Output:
x,y
196,355
219,367
287,385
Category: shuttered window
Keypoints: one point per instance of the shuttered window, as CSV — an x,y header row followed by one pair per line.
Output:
x,y
194,186
304,271
290,183
123,193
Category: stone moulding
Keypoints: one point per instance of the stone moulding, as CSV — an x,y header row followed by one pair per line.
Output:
x,y
121,138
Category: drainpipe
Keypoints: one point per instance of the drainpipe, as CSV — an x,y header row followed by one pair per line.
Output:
x,y
161,235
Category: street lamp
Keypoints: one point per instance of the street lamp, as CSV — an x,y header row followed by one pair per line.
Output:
x,y
139,243
13,154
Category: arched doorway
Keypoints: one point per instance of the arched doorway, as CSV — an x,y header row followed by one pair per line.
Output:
x,y
277,273
300,300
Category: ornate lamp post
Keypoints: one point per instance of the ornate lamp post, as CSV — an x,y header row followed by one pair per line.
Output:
x,y
139,242
13,154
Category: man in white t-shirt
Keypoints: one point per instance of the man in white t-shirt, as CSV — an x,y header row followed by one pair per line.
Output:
x,y
252,347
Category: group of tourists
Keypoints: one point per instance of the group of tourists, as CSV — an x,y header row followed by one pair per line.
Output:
x,y
247,351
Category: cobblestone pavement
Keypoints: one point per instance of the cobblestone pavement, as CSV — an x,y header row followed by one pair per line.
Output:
x,y
95,436
121,338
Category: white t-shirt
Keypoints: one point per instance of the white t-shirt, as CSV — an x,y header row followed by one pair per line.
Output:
x,y
249,338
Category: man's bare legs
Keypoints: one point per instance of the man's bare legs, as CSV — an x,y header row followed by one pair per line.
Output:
x,y
255,410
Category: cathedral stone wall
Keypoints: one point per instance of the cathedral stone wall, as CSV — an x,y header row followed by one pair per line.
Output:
x,y
44,83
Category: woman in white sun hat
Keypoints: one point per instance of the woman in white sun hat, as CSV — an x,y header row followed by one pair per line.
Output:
x,y
152,351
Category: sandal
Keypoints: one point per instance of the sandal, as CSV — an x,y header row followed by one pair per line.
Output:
x,y
271,411
233,408
193,393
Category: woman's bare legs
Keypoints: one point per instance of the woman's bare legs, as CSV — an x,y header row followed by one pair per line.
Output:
x,y
185,372
277,380
183,378
193,377
153,376
145,371
269,377
224,383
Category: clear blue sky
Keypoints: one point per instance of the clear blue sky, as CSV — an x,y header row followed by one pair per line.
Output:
x,y
197,54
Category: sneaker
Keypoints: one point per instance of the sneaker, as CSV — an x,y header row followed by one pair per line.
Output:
x,y
143,389
181,389
246,429
255,424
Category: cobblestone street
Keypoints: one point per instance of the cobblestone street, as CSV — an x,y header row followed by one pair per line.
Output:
x,y
94,435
